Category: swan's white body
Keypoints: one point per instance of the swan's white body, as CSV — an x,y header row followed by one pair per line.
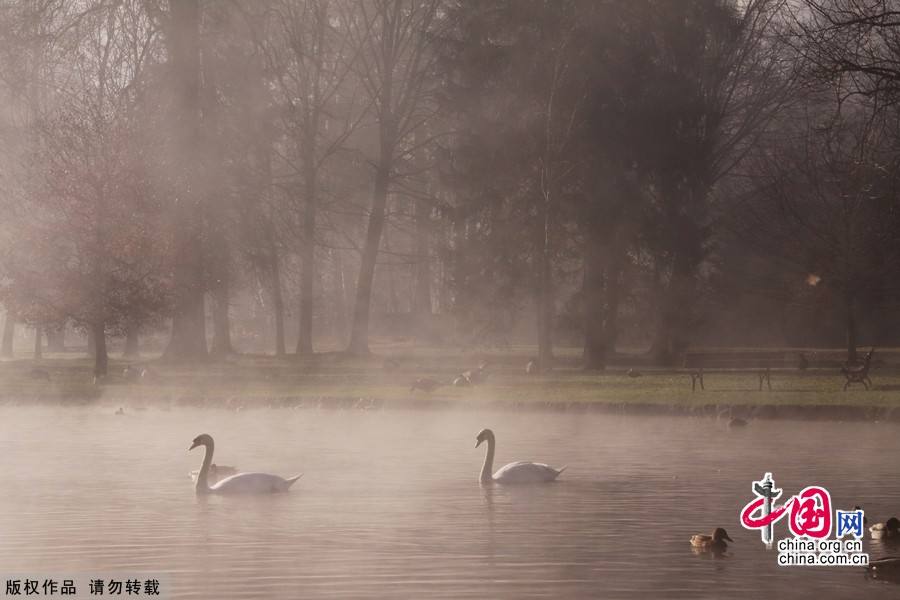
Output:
x,y
515,472
253,483
526,472
241,483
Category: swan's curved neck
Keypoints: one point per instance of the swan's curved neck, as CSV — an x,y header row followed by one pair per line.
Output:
x,y
202,483
487,471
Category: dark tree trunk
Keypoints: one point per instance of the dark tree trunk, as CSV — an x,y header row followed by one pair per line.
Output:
x,y
278,305
594,296
359,333
674,315
340,297
56,339
458,271
422,215
9,332
851,326
188,341
38,343
422,294
662,350
221,343
613,293
101,358
545,308
545,327
390,272
132,342
308,260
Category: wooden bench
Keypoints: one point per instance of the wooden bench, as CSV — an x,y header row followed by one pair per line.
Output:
x,y
763,375
759,362
858,372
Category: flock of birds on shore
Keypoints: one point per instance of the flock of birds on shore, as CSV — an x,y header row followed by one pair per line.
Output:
x,y
464,379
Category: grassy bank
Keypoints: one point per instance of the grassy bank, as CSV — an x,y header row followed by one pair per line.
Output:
x,y
247,381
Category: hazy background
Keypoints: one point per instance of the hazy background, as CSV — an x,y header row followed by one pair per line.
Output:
x,y
284,176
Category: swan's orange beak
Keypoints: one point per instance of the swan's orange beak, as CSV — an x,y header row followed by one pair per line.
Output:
x,y
194,445
478,443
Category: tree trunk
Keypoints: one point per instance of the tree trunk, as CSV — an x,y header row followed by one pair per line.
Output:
x,y
851,326
459,264
674,315
308,259
359,333
393,307
614,287
422,215
56,339
593,298
422,295
278,305
101,358
188,341
659,348
38,343
9,332
132,342
545,324
662,350
545,302
221,343
339,295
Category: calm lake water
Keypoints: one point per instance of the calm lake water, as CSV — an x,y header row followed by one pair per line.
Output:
x,y
390,507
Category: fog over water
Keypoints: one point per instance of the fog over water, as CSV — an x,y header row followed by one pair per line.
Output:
x,y
390,505
344,238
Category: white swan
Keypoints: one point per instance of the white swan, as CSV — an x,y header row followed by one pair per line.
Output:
x,y
242,483
517,472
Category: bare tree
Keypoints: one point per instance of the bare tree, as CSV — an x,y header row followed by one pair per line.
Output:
x,y
394,67
821,206
720,75
309,59
858,40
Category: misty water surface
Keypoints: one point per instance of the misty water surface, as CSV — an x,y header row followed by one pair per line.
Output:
x,y
390,506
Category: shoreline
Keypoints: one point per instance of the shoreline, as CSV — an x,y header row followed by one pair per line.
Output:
x,y
787,411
